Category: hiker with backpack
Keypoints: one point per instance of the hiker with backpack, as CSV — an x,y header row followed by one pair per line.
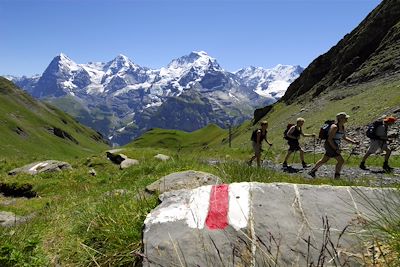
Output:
x,y
257,137
333,134
378,133
292,134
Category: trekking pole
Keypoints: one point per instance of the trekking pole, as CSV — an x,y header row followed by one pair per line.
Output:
x,y
266,153
351,153
314,149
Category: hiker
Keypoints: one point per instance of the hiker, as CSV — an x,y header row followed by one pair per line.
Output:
x,y
333,143
257,137
293,134
378,132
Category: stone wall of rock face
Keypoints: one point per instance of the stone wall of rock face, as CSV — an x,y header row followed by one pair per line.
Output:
x,y
254,224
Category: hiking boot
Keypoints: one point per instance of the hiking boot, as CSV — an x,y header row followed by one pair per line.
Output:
x,y
284,165
337,176
305,165
312,173
362,166
386,167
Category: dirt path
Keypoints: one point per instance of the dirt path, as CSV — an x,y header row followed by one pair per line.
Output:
x,y
376,175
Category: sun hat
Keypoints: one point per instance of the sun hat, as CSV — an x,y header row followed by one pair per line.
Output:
x,y
390,120
342,114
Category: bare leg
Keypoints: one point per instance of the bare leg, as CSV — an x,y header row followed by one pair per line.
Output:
x,y
339,164
302,155
259,160
320,162
387,153
366,156
287,156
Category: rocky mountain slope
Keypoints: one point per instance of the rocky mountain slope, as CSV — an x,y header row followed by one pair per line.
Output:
x,y
32,128
122,99
370,52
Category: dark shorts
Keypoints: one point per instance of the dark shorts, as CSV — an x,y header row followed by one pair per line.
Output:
x,y
329,151
294,145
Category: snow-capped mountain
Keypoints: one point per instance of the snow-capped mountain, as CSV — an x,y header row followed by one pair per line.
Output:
x,y
270,83
122,99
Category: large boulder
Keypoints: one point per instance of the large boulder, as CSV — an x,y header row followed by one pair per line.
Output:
x,y
128,163
254,224
162,157
182,180
42,166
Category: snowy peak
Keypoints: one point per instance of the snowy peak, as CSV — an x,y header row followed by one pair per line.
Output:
x,y
62,64
120,63
196,60
269,83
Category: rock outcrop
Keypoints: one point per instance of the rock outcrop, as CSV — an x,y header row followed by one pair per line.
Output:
x,y
255,224
121,159
42,166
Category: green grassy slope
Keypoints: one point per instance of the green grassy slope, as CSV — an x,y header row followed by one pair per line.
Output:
x,y
212,135
364,103
26,129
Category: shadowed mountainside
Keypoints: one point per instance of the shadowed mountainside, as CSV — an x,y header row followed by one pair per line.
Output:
x,y
32,128
371,51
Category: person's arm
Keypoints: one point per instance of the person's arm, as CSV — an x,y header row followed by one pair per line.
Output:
x,y
291,130
308,135
350,140
259,137
266,140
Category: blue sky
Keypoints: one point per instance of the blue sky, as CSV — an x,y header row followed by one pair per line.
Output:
x,y
238,33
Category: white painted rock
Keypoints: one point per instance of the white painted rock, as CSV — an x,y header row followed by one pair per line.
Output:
x,y
162,157
128,163
42,166
255,224
182,180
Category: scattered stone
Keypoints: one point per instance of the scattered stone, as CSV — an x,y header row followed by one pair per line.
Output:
x,y
8,219
8,202
162,157
62,134
41,167
255,224
93,172
128,163
182,180
21,132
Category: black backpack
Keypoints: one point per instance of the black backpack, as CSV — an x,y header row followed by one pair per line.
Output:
x,y
254,135
371,130
324,130
290,125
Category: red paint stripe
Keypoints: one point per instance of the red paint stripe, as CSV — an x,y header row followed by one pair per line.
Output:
x,y
217,217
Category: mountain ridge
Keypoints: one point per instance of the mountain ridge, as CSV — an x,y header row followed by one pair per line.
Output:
x,y
120,94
